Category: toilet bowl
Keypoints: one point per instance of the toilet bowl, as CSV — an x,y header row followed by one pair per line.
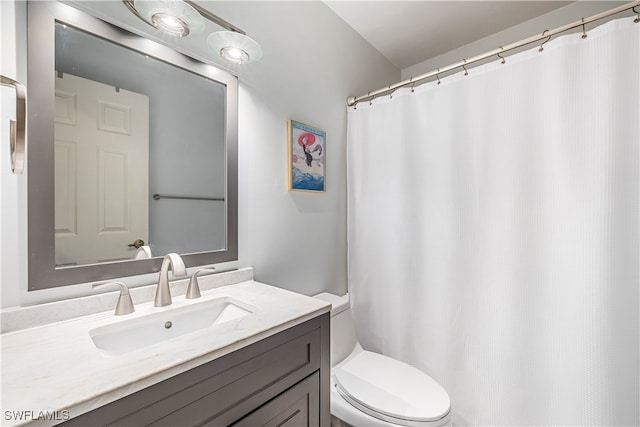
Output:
x,y
370,390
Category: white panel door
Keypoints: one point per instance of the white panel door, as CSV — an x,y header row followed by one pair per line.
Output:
x,y
101,171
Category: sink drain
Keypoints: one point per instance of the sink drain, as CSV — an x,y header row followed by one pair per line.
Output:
x,y
168,325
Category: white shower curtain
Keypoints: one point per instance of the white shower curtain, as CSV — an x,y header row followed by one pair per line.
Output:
x,y
494,232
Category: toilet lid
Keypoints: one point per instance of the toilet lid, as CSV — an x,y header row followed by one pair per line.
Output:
x,y
391,390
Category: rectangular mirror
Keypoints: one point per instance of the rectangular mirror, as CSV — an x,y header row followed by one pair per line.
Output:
x,y
131,145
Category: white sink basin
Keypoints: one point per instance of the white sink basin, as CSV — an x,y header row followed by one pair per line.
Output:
x,y
133,334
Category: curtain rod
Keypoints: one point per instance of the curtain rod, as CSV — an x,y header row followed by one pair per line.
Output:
x,y
547,34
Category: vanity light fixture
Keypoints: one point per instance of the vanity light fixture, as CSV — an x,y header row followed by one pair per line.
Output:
x,y
170,24
235,47
173,17
183,17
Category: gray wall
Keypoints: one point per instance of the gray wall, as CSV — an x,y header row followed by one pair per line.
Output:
x,y
312,62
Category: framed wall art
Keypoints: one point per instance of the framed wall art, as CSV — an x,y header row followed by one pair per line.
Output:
x,y
307,168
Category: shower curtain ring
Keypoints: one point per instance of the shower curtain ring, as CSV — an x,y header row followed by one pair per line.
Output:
x,y
637,17
584,33
548,38
437,76
466,73
500,56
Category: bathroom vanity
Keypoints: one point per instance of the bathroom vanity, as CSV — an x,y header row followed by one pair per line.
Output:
x,y
275,381
268,366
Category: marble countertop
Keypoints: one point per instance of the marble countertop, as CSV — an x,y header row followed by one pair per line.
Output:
x,y
54,371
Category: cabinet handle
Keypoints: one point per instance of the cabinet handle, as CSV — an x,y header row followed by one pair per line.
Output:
x,y
17,126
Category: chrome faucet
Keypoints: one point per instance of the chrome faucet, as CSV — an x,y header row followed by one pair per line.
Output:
x,y
163,293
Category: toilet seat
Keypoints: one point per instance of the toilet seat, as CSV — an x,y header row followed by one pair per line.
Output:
x,y
391,391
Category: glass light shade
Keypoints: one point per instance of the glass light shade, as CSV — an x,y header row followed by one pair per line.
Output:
x,y
234,47
174,17
170,24
234,54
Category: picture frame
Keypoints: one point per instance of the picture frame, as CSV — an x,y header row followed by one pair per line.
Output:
x,y
307,157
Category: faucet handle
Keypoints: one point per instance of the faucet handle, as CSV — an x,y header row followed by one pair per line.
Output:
x,y
193,291
124,304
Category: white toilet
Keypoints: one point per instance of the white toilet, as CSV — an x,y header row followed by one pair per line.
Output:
x,y
369,389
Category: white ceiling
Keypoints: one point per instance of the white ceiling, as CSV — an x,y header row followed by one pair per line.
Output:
x,y
410,32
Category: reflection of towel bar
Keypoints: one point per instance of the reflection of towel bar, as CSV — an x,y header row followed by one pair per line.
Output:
x,y
17,126
170,196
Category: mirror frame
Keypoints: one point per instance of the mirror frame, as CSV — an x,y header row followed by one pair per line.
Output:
x,y
42,271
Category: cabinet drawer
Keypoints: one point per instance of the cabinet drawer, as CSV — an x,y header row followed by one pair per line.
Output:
x,y
224,389
297,407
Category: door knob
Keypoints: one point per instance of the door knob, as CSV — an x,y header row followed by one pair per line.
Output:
x,y
136,243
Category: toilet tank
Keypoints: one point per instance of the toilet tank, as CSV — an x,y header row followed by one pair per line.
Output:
x,y
343,333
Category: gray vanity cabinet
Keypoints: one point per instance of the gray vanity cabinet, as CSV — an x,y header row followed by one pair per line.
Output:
x,y
282,380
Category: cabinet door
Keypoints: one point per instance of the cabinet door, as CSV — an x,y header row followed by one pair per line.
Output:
x,y
299,406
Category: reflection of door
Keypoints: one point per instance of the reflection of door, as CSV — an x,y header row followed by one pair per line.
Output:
x,y
101,171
